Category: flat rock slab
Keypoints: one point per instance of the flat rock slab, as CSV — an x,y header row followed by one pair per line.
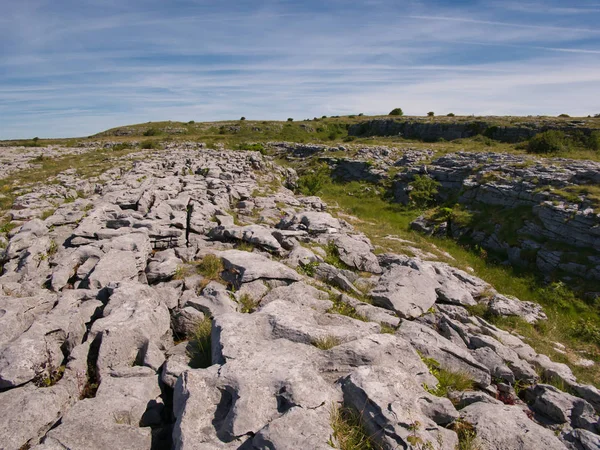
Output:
x,y
407,291
252,266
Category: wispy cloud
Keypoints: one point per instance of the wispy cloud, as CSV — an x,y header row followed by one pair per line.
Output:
x,y
77,68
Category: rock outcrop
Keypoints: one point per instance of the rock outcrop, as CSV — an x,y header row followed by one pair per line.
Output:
x,y
186,304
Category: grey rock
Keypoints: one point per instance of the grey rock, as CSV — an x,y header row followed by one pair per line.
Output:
x,y
115,266
447,354
404,290
391,402
357,252
503,305
251,266
313,222
163,266
585,439
562,407
517,430
134,320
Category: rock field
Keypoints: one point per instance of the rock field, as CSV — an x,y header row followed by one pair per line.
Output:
x,y
103,304
557,229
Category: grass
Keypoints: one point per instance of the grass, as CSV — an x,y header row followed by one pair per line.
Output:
x,y
349,432
448,381
378,218
327,342
332,257
344,309
467,437
211,267
87,165
247,304
200,345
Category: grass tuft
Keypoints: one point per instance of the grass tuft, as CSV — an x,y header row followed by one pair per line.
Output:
x,y
200,345
349,432
327,342
247,304
211,267
448,381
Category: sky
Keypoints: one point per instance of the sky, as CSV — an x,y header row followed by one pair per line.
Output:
x,y
77,67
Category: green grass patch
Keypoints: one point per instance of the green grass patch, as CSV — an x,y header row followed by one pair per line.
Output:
x,y
344,309
448,381
210,267
349,432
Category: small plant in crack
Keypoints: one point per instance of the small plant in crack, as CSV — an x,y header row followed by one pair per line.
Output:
x,y
349,432
199,349
47,374
247,304
211,267
326,342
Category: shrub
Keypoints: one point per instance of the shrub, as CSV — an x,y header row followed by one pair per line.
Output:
x,y
323,117
564,115
242,118
396,112
191,122
593,141
423,190
361,114
312,183
550,141
450,114
586,330
152,132
290,119
431,114
150,144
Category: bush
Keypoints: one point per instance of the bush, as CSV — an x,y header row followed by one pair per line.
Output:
x,y
396,112
431,114
312,183
360,115
564,115
593,141
550,141
450,114
290,119
423,190
242,118
151,132
191,122
149,144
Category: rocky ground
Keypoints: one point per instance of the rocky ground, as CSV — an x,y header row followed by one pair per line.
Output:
x,y
532,211
194,302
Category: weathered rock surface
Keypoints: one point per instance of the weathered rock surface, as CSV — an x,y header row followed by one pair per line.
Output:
x,y
113,333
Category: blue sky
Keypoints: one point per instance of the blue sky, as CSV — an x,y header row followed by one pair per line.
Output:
x,y
77,67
